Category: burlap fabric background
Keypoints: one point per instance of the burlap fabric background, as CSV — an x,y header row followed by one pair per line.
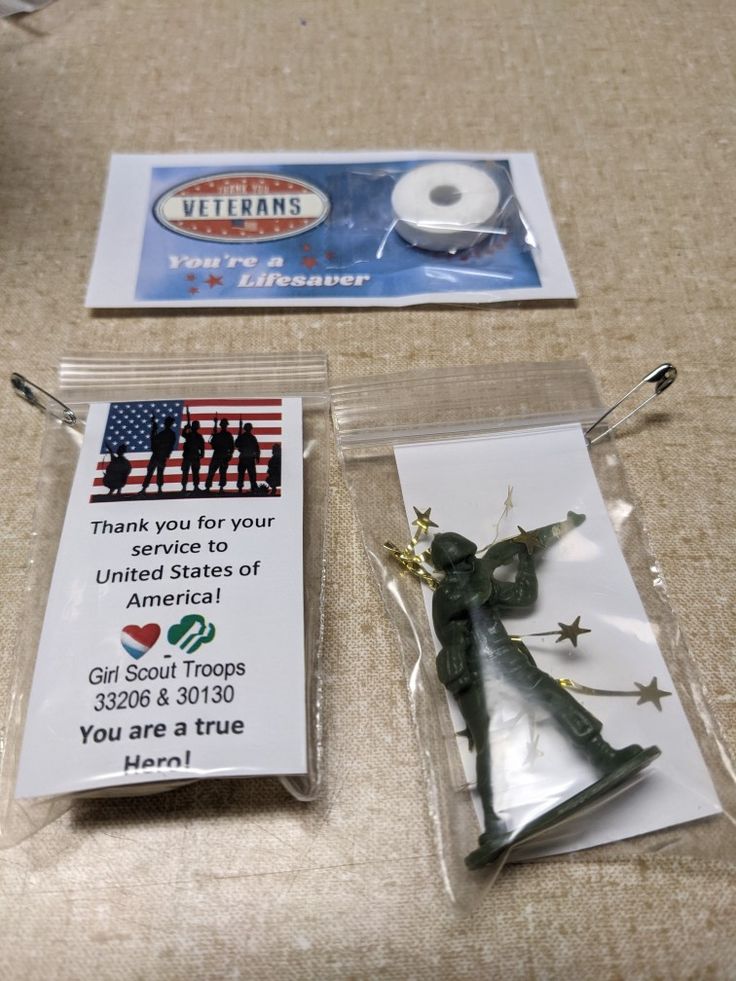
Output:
x,y
630,108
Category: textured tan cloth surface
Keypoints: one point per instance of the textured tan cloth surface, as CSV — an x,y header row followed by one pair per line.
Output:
x,y
630,108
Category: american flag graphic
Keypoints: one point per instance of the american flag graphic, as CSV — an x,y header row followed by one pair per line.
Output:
x,y
130,423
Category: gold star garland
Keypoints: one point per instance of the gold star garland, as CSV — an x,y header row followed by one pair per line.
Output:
x,y
530,539
567,631
644,693
408,558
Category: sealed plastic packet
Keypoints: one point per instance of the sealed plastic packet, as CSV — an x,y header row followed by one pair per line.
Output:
x,y
326,229
174,610
554,701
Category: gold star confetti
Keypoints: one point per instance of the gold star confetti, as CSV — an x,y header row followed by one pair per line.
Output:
x,y
423,520
651,693
644,693
571,631
528,538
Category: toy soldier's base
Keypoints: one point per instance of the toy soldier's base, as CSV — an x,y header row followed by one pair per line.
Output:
x,y
495,840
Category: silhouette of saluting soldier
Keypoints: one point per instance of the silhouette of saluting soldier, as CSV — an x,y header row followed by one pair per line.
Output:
x,y
273,474
223,447
250,453
163,442
192,453
118,469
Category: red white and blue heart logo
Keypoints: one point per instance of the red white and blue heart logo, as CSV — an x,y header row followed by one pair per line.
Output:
x,y
137,641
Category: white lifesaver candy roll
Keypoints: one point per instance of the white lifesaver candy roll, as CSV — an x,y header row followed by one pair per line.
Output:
x,y
445,207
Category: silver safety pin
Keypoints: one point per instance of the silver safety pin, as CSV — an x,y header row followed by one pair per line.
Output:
x,y
42,399
662,377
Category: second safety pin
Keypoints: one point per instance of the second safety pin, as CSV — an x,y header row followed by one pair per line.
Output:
x,y
662,377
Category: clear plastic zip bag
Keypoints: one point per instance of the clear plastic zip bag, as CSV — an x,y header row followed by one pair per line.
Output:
x,y
547,719
216,654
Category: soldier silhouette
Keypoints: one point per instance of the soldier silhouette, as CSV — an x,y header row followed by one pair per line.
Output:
x,y
118,469
250,453
163,442
273,475
223,446
192,453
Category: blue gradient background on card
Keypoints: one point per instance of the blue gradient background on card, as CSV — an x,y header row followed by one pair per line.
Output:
x,y
355,239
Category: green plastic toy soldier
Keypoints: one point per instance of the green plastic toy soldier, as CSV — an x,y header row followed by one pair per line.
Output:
x,y
478,654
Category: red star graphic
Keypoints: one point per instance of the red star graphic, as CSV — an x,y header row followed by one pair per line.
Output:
x,y
214,280
191,277
309,261
193,290
329,256
306,247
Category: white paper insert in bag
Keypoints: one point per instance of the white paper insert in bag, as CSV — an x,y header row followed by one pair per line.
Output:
x,y
173,640
529,479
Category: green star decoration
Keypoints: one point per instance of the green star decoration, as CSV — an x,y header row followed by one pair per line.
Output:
x,y
423,520
651,693
528,538
571,631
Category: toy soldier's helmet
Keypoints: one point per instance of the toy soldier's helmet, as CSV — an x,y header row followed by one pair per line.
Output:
x,y
224,423
169,422
195,425
449,548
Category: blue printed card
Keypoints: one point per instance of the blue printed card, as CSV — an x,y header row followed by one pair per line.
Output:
x,y
325,230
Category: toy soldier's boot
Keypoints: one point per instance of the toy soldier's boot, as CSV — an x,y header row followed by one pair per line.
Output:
x,y
609,761
584,731
603,756
491,843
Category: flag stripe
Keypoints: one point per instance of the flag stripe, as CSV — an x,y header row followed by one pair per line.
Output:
x,y
229,402
140,460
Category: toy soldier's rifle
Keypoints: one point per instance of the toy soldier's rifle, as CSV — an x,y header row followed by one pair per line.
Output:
x,y
530,541
214,428
499,554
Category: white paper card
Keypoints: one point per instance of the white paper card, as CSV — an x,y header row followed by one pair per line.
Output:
x,y
173,640
466,482
314,229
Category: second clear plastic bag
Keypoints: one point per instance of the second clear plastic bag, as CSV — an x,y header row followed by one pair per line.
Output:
x,y
554,701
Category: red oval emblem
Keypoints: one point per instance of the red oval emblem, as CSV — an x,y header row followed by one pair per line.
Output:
x,y
242,207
